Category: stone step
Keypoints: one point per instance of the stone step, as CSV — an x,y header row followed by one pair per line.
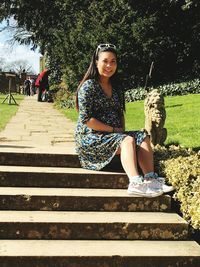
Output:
x,y
60,177
30,198
91,225
98,253
39,159
48,159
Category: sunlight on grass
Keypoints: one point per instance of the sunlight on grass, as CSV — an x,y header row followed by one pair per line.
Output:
x,y
183,120
6,110
70,113
134,116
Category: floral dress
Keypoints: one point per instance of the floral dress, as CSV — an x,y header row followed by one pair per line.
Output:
x,y
96,149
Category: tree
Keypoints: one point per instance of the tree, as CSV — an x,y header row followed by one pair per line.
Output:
x,y
18,66
68,31
2,63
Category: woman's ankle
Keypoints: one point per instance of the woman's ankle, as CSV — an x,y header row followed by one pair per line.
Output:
x,y
136,179
150,175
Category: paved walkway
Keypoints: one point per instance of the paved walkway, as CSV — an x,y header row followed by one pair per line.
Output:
x,y
38,127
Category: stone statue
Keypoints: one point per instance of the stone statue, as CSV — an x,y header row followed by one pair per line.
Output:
x,y
155,116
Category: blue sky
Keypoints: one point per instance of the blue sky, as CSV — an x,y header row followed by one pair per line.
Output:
x,y
17,52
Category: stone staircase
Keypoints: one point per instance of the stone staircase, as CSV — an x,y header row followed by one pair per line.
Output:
x,y
53,213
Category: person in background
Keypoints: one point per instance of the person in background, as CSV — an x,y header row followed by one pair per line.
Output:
x,y
100,132
42,82
32,86
27,85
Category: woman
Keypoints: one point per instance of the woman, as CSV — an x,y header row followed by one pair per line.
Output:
x,y
100,132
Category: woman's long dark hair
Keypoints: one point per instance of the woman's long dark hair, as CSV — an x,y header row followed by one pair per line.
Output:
x,y
92,73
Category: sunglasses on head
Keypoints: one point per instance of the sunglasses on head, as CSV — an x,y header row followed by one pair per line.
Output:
x,y
102,46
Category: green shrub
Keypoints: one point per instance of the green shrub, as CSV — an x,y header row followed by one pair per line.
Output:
x,y
182,169
63,98
171,89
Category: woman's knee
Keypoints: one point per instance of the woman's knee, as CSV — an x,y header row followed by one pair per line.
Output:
x,y
128,141
146,142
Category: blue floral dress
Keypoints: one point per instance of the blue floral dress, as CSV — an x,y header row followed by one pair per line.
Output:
x,y
96,149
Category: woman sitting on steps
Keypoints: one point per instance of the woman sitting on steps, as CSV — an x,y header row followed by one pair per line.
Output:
x,y
100,132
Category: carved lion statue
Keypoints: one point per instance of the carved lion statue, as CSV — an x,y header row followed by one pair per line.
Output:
x,y
155,115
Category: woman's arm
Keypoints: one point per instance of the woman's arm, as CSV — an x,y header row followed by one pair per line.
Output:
x,y
85,99
102,127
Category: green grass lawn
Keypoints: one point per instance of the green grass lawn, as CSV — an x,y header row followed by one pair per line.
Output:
x,y
6,110
182,121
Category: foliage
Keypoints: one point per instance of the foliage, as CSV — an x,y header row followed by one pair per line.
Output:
x,y
2,64
55,77
68,31
182,168
63,98
18,66
171,89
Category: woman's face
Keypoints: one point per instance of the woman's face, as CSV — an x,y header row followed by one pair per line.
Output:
x,y
106,64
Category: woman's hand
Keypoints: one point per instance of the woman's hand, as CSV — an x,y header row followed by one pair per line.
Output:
x,y
102,127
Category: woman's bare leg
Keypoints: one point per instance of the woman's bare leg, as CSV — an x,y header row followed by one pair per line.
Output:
x,y
128,156
145,156
145,159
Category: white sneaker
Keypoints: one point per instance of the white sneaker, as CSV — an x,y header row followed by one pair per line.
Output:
x,y
158,183
154,189
165,188
138,189
142,190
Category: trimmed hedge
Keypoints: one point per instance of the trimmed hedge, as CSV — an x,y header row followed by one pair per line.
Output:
x,y
171,89
181,167
66,99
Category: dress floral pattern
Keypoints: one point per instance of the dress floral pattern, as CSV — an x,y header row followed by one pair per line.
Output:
x,y
96,149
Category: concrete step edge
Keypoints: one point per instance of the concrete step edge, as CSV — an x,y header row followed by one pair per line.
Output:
x,y
10,216
68,159
39,159
29,198
77,248
55,170
92,225
86,192
60,177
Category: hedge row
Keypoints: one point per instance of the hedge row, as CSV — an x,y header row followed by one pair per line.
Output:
x,y
171,89
181,167
65,99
